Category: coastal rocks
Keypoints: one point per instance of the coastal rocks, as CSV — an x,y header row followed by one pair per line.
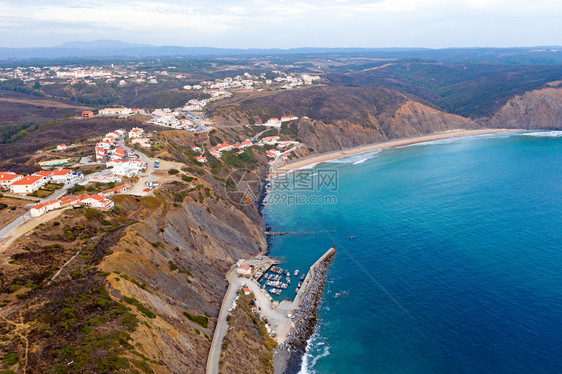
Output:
x,y
288,356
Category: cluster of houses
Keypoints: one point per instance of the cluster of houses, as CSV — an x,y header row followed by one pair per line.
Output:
x,y
249,81
217,150
20,184
106,148
121,162
99,201
93,201
163,117
172,118
133,74
88,74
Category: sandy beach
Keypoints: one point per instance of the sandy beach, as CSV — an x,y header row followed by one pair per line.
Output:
x,y
316,159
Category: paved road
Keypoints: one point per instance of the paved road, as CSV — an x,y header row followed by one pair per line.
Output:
x,y
138,188
6,230
234,284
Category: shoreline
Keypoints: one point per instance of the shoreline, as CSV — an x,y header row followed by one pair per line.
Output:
x,y
333,155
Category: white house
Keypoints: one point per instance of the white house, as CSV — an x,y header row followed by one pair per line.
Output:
x,y
105,144
114,111
244,270
65,176
28,184
273,122
115,190
61,147
136,133
271,140
7,178
273,153
246,143
109,178
100,153
128,168
222,147
97,201
45,173
289,118
42,208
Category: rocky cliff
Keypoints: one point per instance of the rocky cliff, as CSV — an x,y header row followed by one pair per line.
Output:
x,y
540,109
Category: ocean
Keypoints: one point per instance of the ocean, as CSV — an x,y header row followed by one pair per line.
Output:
x,y
449,255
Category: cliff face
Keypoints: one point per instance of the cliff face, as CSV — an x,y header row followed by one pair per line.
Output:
x,y
179,255
416,119
540,109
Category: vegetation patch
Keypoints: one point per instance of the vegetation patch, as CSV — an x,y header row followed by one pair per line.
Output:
x,y
201,320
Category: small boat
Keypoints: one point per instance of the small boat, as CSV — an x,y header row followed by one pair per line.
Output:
x,y
288,280
296,291
341,294
296,272
299,285
351,237
302,277
287,273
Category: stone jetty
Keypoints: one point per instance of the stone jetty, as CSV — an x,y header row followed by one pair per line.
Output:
x,y
288,356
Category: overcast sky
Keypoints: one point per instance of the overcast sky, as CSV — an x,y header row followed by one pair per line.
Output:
x,y
284,23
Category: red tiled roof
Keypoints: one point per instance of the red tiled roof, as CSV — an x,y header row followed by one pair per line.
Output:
x,y
25,181
61,172
8,176
44,173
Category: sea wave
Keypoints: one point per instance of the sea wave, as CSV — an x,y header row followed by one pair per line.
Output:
x,y
544,134
355,159
316,348
460,139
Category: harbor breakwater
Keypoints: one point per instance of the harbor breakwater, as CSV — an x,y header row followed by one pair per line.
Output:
x,y
288,356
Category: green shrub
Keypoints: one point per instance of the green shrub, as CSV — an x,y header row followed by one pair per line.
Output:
x,y
201,320
11,358
173,266
143,365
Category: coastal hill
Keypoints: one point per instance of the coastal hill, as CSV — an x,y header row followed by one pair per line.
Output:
x,y
145,284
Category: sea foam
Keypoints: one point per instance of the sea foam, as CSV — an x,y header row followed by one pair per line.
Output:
x,y
355,159
544,134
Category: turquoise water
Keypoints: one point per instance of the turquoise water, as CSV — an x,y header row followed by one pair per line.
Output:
x,y
456,265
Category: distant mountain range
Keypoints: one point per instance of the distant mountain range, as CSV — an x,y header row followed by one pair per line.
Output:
x,y
113,48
